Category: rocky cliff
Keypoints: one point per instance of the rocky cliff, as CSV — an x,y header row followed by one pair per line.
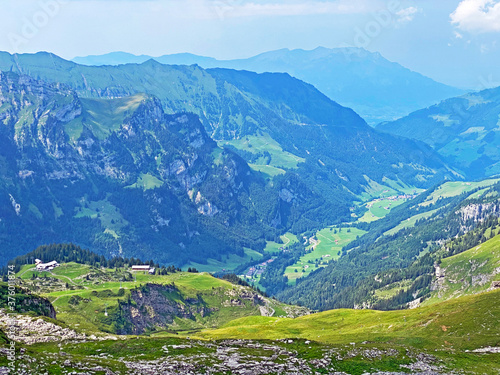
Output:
x,y
163,307
121,177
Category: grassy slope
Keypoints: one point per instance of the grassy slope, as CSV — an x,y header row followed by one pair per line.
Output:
x,y
324,252
379,208
279,160
386,189
90,315
109,215
375,198
453,189
146,182
230,263
410,222
103,116
470,272
288,239
465,323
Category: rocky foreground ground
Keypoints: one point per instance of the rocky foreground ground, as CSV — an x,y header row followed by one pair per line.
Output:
x,y
227,357
45,348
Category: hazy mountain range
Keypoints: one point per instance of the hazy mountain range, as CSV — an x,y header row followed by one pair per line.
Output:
x,y
465,130
377,89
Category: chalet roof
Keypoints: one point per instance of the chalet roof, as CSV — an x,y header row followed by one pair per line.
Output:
x,y
141,267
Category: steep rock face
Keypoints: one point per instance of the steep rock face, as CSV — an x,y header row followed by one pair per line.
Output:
x,y
38,304
477,212
155,306
120,176
27,302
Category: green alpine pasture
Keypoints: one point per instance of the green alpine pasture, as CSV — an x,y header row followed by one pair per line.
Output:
x,y
231,262
453,189
470,272
325,247
84,296
146,182
379,208
103,116
272,159
287,239
465,323
410,222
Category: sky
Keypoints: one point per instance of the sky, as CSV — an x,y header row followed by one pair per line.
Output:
x,y
451,41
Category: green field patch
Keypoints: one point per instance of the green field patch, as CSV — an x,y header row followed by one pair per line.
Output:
x,y
268,170
288,239
103,116
269,151
65,271
58,212
329,244
478,194
218,156
109,215
231,262
392,290
146,182
410,222
453,189
71,270
35,211
388,188
379,208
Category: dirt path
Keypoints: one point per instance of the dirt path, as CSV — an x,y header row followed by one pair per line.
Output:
x,y
29,269
285,244
54,301
72,282
326,238
314,243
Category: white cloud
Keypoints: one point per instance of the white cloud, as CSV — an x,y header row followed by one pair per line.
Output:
x,y
477,16
407,15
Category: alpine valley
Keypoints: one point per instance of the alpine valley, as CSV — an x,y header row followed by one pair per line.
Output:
x,y
219,221
109,158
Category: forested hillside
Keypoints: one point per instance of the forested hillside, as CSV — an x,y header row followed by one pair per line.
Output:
x,y
122,178
394,264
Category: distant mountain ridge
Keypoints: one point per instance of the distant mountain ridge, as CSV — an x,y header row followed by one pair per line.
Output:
x,y
122,58
465,130
379,90
337,145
